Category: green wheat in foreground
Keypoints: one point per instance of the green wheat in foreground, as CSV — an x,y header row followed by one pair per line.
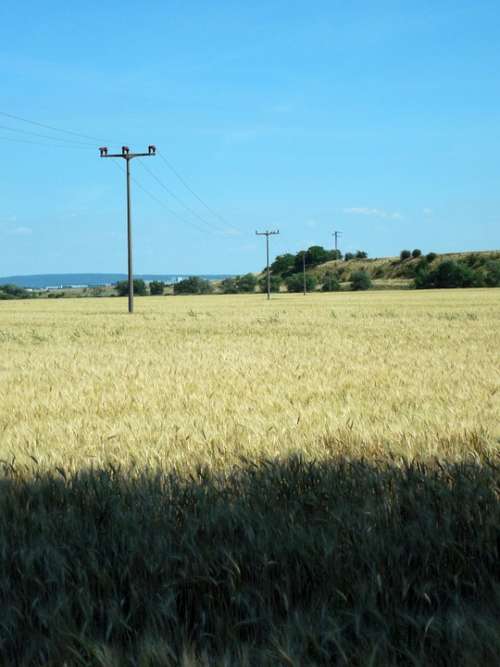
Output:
x,y
226,481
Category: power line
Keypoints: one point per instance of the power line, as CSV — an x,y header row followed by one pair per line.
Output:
x,y
46,136
162,203
48,127
39,143
190,189
92,138
210,225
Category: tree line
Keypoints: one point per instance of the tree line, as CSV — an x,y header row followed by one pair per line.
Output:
x,y
287,270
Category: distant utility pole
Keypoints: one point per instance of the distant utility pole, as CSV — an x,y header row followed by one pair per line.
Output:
x,y
267,234
304,271
336,234
127,156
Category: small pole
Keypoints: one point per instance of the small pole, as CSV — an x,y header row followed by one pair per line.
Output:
x,y
127,156
336,234
267,234
304,270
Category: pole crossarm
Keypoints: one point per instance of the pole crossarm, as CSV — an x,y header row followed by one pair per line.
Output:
x,y
127,155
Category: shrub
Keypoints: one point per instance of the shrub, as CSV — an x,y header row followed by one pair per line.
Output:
x,y
404,254
447,275
193,285
13,292
246,283
139,287
156,287
295,282
348,256
331,283
275,283
229,286
361,254
416,253
360,280
431,256
492,277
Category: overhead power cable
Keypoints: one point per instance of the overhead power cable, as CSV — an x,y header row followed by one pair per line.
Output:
x,y
47,136
161,202
53,128
40,143
210,225
190,189
49,127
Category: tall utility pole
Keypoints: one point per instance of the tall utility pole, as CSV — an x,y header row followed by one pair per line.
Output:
x,y
267,234
127,156
336,234
304,271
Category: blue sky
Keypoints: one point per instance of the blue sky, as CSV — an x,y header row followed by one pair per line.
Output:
x,y
380,119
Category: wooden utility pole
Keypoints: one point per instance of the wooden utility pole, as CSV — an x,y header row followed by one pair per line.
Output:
x,y
127,156
267,234
304,271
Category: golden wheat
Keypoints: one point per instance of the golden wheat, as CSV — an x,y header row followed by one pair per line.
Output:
x,y
206,380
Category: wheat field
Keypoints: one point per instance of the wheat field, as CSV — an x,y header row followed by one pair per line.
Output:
x,y
229,481
208,380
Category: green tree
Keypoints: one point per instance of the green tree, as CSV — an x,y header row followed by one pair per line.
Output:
x,y
416,253
492,277
448,274
331,282
139,287
275,283
348,256
299,262
156,287
404,254
316,254
283,264
246,283
360,280
361,254
295,282
193,285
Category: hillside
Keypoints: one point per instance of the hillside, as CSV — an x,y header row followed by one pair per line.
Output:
x,y
392,272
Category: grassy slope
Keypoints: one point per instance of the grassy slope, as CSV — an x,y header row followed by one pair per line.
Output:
x,y
389,272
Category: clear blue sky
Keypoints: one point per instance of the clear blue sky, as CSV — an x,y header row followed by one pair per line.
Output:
x,y
380,119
